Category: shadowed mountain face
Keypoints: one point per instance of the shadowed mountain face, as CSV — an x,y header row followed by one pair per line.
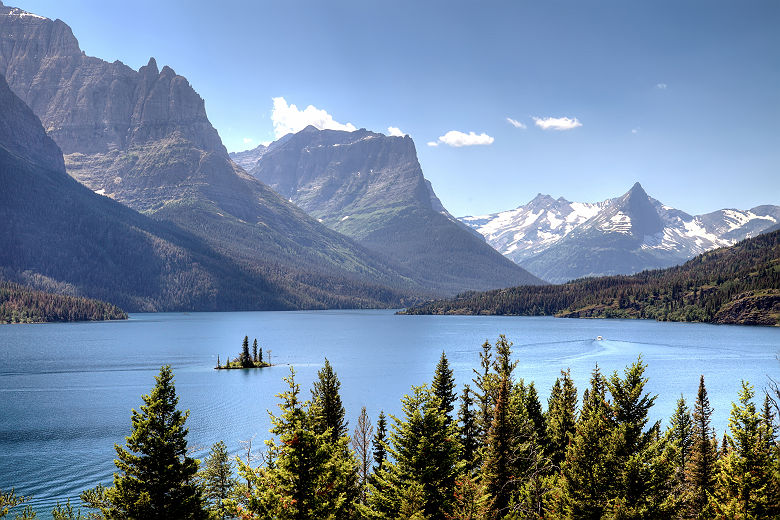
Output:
x,y
143,138
370,187
58,235
561,240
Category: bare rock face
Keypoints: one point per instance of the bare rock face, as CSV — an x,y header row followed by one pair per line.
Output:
x,y
143,138
371,187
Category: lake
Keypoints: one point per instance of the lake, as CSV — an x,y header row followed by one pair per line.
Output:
x,y
66,390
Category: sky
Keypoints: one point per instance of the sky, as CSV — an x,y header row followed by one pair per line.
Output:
x,y
504,100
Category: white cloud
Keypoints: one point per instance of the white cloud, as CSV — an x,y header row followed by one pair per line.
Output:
x,y
289,119
433,143
661,86
394,131
556,123
458,139
247,140
635,130
516,123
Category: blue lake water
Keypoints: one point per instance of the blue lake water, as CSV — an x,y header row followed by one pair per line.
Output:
x,y
66,390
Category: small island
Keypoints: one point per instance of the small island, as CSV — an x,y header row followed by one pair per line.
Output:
x,y
246,359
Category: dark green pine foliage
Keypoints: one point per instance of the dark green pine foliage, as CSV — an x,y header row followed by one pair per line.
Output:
x,y
561,418
701,471
307,474
254,351
379,443
643,476
500,454
535,414
469,439
680,438
245,359
156,479
444,386
589,469
768,418
326,397
744,487
217,479
484,382
424,452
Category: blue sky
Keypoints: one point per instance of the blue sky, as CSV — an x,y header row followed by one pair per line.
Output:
x,y
683,96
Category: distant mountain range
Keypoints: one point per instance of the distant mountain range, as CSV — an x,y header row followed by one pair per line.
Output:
x,y
559,240
739,284
370,187
143,138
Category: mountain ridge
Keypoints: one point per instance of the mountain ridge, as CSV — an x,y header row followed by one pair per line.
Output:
x,y
371,187
561,240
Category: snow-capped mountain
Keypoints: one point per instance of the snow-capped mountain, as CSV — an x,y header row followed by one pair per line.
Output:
x,y
560,240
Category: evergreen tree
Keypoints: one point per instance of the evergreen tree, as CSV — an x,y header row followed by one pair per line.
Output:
x,y
535,414
589,469
217,479
65,512
254,351
245,360
444,386
680,437
424,450
701,464
378,444
484,383
326,397
743,488
307,475
157,478
468,430
260,355
561,417
500,454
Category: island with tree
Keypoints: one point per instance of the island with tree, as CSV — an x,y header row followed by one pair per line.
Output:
x,y
246,359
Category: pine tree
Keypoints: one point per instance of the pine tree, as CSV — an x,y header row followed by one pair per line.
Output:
x,y
589,469
500,454
254,351
260,355
701,464
468,430
325,395
245,360
561,417
157,478
217,479
535,414
444,386
484,383
680,437
378,444
744,477
308,475
424,450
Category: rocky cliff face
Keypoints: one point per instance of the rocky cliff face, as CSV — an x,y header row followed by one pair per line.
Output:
x,y
371,187
59,236
143,138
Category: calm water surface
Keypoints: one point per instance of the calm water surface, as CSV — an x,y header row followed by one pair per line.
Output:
x,y
66,390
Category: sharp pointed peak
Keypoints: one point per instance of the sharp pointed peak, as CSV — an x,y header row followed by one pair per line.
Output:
x,y
152,65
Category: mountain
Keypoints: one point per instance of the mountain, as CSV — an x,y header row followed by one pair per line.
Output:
x,y
561,240
143,138
739,284
371,187
59,236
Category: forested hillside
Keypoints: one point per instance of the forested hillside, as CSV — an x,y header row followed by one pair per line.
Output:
x,y
20,304
738,284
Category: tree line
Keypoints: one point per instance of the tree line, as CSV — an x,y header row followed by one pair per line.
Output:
x,y
21,304
245,358
738,284
490,452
